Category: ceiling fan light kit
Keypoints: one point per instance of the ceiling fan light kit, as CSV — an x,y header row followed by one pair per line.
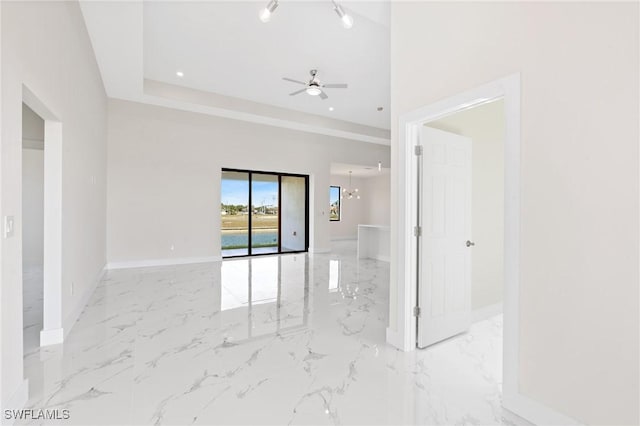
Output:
x,y
347,20
314,87
313,90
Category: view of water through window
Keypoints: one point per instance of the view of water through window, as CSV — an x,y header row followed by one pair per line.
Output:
x,y
250,212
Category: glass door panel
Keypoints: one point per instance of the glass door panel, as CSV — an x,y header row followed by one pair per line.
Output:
x,y
265,222
234,213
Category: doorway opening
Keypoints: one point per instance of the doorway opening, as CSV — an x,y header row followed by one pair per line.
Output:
x,y
461,213
32,228
263,213
407,308
42,216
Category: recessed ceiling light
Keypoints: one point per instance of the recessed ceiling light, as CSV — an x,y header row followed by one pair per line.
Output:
x,y
330,108
179,74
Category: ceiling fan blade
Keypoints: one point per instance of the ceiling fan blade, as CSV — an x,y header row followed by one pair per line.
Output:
x,y
297,92
294,81
335,86
323,96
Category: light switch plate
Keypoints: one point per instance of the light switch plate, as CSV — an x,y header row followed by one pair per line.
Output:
x,y
9,226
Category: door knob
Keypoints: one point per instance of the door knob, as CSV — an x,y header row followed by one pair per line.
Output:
x,y
470,243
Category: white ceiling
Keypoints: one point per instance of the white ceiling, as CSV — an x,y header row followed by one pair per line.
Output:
x,y
359,170
223,48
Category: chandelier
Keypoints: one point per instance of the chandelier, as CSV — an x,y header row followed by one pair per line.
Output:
x,y
350,193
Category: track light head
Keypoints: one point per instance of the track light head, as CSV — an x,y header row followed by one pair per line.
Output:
x,y
265,14
347,20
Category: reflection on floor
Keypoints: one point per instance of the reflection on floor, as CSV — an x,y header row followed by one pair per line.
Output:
x,y
289,339
32,302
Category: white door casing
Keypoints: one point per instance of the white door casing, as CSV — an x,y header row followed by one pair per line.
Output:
x,y
444,267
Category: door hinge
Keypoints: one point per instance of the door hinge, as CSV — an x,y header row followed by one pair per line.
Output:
x,y
416,311
417,149
417,231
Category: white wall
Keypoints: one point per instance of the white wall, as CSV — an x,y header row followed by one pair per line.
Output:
x,y
32,189
485,126
372,208
32,129
292,209
164,177
45,47
353,212
32,208
579,65
377,202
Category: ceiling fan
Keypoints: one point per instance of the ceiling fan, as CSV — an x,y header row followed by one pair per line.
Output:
x,y
314,86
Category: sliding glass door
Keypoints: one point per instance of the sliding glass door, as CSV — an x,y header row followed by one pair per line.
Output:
x,y
263,213
234,213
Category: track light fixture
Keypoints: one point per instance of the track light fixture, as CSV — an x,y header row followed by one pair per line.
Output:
x,y
265,14
347,20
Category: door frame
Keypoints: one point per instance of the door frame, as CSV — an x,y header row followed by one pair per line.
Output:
x,y
52,331
404,337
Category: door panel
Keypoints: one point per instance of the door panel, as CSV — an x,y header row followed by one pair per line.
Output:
x,y
444,288
265,226
234,214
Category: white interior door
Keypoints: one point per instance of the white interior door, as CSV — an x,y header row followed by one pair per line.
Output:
x,y
444,262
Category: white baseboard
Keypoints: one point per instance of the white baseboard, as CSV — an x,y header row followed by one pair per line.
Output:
x,y
319,250
17,401
377,257
162,262
486,312
536,412
354,238
71,319
53,336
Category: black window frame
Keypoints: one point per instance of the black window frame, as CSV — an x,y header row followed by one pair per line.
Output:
x,y
339,203
250,173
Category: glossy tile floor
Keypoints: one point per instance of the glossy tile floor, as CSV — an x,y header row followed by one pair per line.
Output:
x,y
290,339
32,297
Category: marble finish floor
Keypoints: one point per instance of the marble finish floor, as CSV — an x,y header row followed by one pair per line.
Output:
x,y
289,339
32,306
